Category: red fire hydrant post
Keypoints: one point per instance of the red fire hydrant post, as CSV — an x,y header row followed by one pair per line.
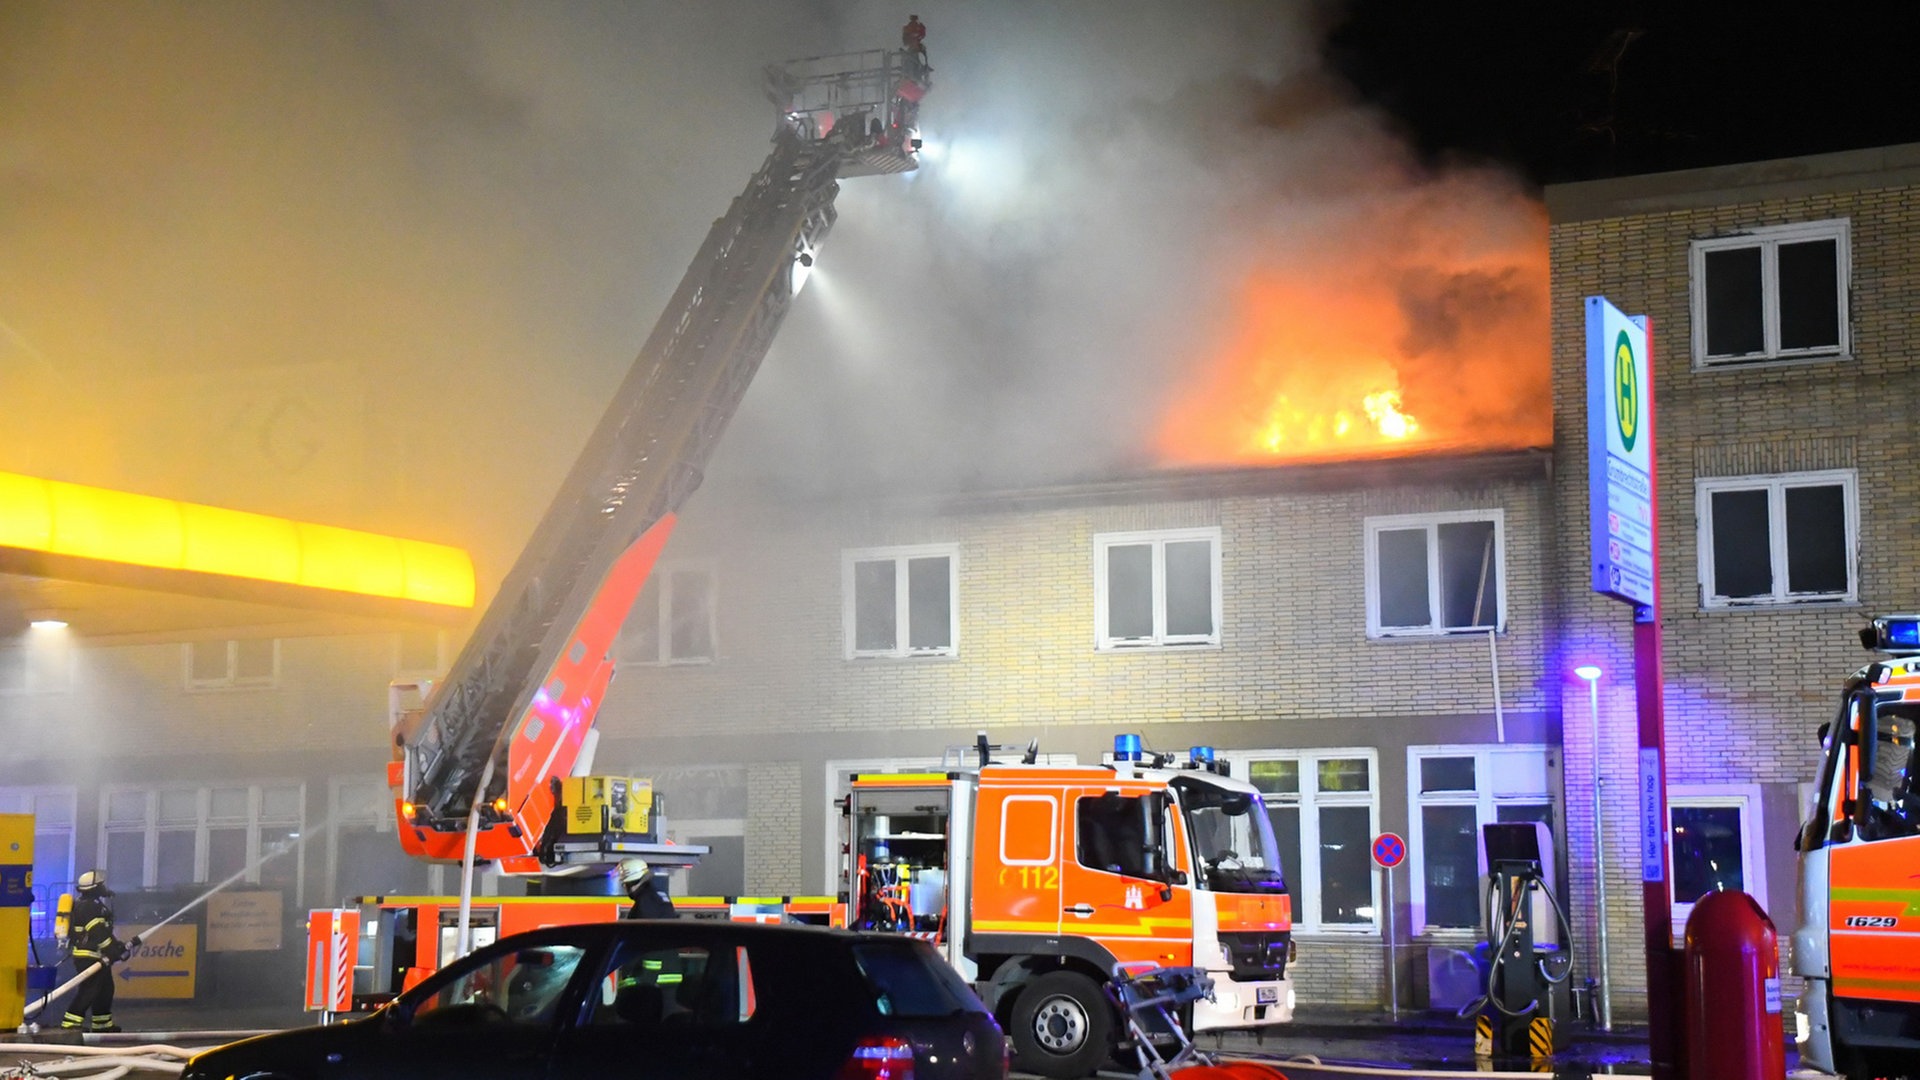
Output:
x,y
1734,1027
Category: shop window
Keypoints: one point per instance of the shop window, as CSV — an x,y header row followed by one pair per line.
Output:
x,y
1325,811
1716,843
1454,790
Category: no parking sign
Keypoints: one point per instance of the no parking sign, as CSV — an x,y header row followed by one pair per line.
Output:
x,y
1389,850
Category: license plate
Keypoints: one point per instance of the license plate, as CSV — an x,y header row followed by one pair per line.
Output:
x,y
1266,995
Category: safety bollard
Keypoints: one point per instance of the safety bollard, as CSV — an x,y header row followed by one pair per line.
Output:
x,y
1733,1029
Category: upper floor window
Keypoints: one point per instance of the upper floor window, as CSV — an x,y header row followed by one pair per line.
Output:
x,y
1436,573
1157,588
1771,293
419,652
249,662
901,601
1786,539
673,620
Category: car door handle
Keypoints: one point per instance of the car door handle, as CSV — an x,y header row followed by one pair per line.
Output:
x,y
1085,911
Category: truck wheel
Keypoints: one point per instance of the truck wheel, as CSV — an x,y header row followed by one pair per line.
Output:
x,y
1062,1026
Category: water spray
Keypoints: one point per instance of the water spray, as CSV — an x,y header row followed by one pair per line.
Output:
x,y
34,1008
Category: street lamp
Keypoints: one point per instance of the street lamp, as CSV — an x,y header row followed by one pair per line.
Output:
x,y
1591,673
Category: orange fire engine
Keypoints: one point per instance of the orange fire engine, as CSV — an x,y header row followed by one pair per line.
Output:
x,y
1859,947
1037,880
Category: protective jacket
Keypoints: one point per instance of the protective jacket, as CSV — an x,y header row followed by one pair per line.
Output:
x,y
650,901
93,929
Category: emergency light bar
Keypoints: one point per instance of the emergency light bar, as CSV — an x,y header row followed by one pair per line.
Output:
x,y
1899,634
1127,748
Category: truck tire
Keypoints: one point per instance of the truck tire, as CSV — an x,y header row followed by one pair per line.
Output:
x,y
1062,1026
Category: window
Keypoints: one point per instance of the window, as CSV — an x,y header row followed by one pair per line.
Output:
x,y
522,987
706,804
1716,842
419,653
169,837
1788,539
673,620
1325,813
1112,834
364,857
1436,574
679,986
902,601
1156,589
1452,792
53,814
1771,294
215,665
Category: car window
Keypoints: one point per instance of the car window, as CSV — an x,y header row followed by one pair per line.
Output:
x,y
913,981
677,986
519,987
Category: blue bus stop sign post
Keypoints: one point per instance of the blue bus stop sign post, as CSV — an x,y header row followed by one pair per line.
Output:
x,y
1390,851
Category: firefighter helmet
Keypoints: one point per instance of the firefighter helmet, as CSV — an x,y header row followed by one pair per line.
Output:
x,y
633,871
92,881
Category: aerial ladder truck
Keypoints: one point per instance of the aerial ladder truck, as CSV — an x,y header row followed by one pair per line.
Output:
x,y
1858,945
481,767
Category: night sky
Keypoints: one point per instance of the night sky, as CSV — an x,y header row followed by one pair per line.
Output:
x,y
1575,91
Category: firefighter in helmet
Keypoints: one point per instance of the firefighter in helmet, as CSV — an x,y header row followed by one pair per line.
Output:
x,y
649,894
94,946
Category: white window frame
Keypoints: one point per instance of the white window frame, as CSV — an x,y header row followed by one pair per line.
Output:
x,y
1753,838
402,671
1305,878
1768,239
232,679
150,829
1374,526
1776,485
698,830
662,575
38,659
1157,539
902,600
1486,798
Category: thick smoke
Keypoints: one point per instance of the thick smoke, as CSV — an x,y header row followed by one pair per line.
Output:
x,y
380,264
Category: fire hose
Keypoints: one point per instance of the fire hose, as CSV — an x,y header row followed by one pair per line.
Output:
x,y
108,1063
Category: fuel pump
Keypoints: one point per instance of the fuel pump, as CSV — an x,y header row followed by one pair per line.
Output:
x,y
1516,1021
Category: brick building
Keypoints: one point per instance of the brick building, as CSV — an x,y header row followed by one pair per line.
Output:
x,y
1784,353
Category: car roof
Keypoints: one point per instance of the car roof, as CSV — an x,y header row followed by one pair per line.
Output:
x,y
696,931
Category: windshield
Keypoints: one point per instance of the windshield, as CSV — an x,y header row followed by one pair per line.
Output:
x,y
1232,838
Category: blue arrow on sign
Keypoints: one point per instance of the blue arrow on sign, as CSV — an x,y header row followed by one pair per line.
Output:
x,y
129,973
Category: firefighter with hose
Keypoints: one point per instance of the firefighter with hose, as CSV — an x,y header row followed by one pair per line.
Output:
x,y
94,946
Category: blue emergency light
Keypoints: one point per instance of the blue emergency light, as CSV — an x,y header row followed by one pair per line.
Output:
x,y
1202,755
1126,748
1897,633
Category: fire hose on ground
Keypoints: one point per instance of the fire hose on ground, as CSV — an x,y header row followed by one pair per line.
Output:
x,y
106,1062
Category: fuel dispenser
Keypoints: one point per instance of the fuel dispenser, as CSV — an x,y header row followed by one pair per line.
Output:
x,y
1528,961
16,907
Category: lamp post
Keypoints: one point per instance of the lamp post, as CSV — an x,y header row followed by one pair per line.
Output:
x,y
1591,673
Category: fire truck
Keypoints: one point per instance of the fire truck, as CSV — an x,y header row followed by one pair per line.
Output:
x,y
491,763
1859,945
1041,882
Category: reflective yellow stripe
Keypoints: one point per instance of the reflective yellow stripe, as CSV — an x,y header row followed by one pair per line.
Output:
x,y
1847,983
1909,897
94,923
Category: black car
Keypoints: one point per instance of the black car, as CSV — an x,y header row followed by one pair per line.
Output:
x,y
656,999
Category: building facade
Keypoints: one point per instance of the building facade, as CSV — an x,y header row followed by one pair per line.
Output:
x,y
1784,355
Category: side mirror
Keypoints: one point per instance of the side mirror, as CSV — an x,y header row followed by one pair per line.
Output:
x,y
1826,729
1153,814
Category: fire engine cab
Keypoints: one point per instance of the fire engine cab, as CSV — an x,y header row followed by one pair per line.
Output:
x,y
1036,881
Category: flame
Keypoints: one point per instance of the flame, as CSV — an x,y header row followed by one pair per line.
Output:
x,y
1400,333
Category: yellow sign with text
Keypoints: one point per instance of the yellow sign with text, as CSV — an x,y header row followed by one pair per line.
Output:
x,y
162,965
243,921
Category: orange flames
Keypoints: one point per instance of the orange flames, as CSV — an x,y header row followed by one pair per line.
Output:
x,y
1408,349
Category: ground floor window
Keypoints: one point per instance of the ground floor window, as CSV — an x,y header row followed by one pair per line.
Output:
x,y
1717,842
1325,809
706,805
364,856
52,808
161,838
1451,792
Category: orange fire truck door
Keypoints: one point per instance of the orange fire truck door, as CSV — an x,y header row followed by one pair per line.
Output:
x,y
1106,892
